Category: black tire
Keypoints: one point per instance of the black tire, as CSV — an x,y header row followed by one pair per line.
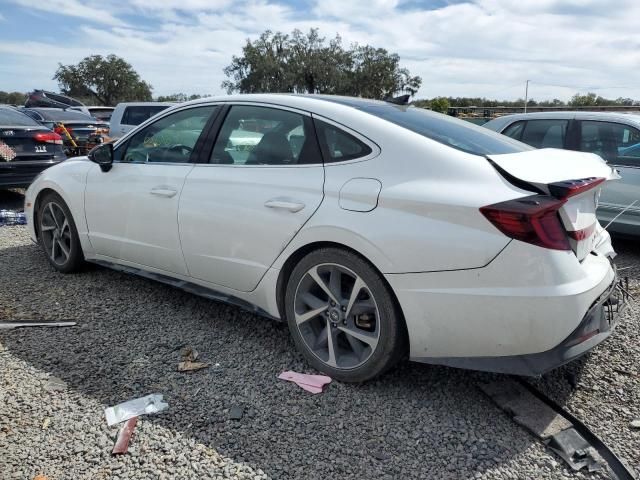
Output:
x,y
65,236
391,341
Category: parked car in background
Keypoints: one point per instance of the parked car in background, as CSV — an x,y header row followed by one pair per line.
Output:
x,y
126,116
26,148
375,230
613,136
43,98
97,112
79,131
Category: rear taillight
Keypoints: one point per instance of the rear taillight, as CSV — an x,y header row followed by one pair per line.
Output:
x,y
531,219
48,137
571,188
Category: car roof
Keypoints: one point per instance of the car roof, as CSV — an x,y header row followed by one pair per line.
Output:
x,y
144,104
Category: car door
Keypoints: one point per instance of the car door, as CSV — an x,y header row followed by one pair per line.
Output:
x,y
132,209
263,181
619,145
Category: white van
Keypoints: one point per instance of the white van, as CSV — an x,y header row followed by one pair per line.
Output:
x,y
128,115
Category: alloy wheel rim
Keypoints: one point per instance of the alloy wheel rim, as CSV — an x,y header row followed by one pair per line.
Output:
x,y
337,316
56,233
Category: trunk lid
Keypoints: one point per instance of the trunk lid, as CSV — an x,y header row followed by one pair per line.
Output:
x,y
574,177
19,144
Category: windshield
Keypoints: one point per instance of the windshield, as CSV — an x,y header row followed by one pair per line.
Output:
x,y
450,131
11,118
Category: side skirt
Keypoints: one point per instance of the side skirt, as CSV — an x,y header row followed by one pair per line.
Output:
x,y
188,287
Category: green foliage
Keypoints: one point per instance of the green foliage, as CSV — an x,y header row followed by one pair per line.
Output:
x,y
440,104
106,80
12,98
307,63
178,97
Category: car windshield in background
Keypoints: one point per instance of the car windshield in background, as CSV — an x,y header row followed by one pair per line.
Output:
x,y
454,133
11,118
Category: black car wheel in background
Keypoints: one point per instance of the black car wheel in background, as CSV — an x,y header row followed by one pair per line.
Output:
x,y
26,148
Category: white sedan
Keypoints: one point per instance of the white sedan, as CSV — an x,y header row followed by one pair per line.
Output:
x,y
375,230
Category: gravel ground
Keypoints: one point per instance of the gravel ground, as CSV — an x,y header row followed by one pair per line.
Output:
x,y
417,421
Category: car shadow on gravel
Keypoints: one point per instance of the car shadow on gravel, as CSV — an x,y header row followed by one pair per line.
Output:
x,y
417,420
11,199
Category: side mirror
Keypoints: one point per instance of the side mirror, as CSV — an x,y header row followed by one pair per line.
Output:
x,y
103,156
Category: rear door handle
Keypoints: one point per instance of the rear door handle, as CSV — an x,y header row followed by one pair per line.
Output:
x,y
283,203
163,192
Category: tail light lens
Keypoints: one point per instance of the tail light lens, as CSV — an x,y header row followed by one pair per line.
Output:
x,y
48,137
531,219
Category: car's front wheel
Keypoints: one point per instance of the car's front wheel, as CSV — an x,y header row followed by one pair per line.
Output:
x,y
58,234
342,316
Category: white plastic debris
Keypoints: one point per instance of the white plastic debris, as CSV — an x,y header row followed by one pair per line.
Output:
x,y
153,403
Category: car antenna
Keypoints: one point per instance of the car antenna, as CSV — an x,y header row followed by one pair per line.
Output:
x,y
401,100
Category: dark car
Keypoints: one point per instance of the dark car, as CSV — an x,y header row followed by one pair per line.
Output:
x,y
80,132
42,98
26,148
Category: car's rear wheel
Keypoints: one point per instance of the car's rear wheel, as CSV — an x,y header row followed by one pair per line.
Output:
x,y
343,316
58,234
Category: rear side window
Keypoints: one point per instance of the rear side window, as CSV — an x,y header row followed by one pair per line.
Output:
x,y
338,145
545,133
450,131
11,118
615,142
135,115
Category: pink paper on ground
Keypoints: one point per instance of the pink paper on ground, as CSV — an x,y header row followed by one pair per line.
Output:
x,y
311,383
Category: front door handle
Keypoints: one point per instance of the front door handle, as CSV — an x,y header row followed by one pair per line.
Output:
x,y
164,192
284,203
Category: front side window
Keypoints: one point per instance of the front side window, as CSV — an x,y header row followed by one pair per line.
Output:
x,y
170,139
135,115
265,136
545,133
615,142
338,145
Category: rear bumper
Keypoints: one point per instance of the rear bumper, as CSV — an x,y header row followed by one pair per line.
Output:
x,y
21,174
527,302
596,326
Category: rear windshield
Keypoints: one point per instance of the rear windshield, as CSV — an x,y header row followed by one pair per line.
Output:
x,y
11,118
64,115
455,133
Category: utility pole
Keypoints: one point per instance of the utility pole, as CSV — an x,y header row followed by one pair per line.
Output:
x,y
526,96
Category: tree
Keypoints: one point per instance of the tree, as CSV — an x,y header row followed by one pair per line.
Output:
x,y
307,63
107,80
440,104
178,97
12,98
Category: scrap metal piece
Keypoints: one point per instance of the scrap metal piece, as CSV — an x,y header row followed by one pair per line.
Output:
x,y
191,366
574,449
9,325
153,403
122,442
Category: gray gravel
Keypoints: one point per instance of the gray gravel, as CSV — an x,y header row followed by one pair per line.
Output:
x,y
417,421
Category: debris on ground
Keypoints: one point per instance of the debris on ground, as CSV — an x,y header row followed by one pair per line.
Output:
x,y
188,363
55,384
153,403
122,442
40,477
555,431
34,323
310,383
635,423
236,412
9,217
46,422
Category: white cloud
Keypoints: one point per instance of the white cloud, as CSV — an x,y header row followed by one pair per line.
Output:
x,y
473,48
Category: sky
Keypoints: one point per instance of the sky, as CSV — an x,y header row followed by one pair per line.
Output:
x,y
459,47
